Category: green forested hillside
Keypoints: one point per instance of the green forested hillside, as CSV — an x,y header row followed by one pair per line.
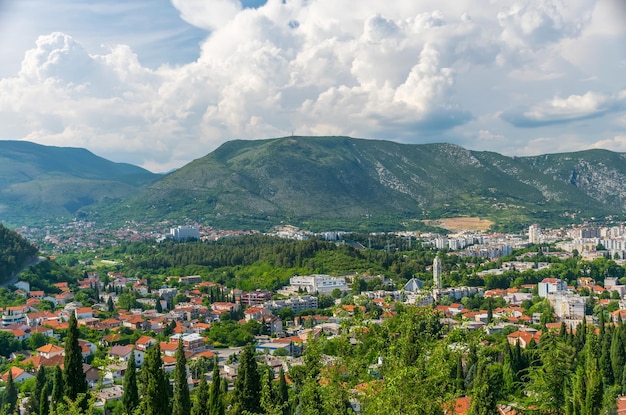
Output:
x,y
347,183
15,252
42,182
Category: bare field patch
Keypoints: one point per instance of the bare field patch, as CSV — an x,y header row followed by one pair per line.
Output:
x,y
461,224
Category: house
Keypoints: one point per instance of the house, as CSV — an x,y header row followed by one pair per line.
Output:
x,y
169,349
255,313
122,354
36,294
523,338
18,333
111,394
18,375
83,313
231,370
48,351
91,374
144,342
12,315
224,306
191,342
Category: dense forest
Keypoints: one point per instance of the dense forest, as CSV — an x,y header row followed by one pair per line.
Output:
x,y
264,262
15,252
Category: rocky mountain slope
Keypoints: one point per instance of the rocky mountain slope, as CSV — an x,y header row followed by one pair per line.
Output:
x,y
356,183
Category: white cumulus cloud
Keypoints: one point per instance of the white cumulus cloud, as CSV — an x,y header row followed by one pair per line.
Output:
x,y
410,71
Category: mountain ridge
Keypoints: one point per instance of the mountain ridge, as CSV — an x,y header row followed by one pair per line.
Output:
x,y
342,180
40,182
328,182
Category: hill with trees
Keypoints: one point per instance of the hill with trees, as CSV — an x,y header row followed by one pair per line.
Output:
x,y
356,184
15,252
39,183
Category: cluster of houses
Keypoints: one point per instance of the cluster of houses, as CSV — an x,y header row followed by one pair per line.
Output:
x,y
283,343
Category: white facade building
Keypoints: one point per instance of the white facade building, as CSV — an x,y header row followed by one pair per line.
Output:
x,y
550,285
534,233
567,305
318,283
181,233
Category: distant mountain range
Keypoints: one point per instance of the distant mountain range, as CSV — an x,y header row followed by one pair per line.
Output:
x,y
53,183
324,182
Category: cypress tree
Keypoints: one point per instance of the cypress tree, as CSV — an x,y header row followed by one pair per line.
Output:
x,y
110,305
602,324
269,402
605,361
10,395
484,392
73,375
130,398
460,380
57,386
154,384
618,357
593,401
247,392
159,307
35,396
217,392
44,401
283,389
182,402
201,404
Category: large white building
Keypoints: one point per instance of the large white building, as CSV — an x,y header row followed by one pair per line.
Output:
x,y
550,285
181,233
534,233
567,305
318,283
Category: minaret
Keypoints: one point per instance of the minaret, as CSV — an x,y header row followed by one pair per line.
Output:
x,y
437,273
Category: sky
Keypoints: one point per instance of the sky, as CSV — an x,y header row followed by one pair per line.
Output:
x,y
158,83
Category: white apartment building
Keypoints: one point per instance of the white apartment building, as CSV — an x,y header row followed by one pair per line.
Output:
x,y
551,285
534,233
567,305
318,283
181,233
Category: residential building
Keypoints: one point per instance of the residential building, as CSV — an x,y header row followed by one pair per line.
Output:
x,y
551,285
181,233
318,283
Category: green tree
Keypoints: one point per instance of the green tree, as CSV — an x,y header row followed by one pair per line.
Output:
x,y
247,391
35,396
485,388
154,384
74,377
217,392
201,403
10,395
283,389
44,400
618,354
181,404
57,386
130,398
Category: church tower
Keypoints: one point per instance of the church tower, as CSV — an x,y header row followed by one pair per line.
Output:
x,y
437,269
